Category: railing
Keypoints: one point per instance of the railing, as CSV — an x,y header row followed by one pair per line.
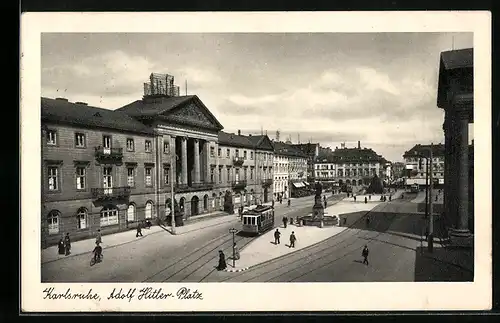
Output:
x,y
201,186
267,182
108,153
110,193
239,184
238,161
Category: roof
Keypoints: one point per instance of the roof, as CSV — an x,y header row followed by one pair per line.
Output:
x,y
461,58
308,148
281,148
357,154
58,110
252,142
437,150
150,107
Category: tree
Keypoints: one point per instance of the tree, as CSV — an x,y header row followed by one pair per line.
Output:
x,y
376,186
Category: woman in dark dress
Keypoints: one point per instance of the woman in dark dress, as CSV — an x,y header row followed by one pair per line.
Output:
x,y
67,244
222,261
61,246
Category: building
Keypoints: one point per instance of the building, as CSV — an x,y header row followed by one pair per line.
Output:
x,y
456,97
351,166
105,169
98,170
417,165
311,150
290,171
398,170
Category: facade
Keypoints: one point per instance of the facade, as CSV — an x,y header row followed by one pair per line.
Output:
x,y
351,166
417,166
104,169
290,171
398,170
311,150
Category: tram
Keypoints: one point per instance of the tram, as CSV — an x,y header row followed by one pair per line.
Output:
x,y
258,220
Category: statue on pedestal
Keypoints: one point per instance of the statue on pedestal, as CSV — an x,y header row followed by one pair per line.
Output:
x,y
318,209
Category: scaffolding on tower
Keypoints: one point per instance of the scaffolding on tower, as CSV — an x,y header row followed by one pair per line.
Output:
x,y
160,85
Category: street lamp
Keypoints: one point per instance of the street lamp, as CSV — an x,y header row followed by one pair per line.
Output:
x,y
233,231
428,198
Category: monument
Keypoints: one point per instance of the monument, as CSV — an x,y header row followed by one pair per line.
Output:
x,y
376,186
318,208
318,217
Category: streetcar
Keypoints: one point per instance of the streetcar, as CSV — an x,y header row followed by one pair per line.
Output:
x,y
258,220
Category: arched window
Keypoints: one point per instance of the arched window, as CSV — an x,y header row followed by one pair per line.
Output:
x,y
148,214
205,202
131,212
53,221
109,216
81,216
214,197
182,201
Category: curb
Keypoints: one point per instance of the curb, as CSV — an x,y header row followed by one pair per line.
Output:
x,y
236,270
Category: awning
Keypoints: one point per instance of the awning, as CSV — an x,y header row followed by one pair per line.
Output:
x,y
298,185
306,183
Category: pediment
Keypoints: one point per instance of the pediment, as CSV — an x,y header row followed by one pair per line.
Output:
x,y
193,113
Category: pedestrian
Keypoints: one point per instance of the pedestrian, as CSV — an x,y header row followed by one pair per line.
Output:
x,y
222,261
139,229
67,245
60,246
367,221
325,204
347,194
366,200
291,220
370,197
277,236
354,196
390,197
289,202
365,253
98,238
97,252
285,220
297,221
324,198
292,240
345,220
236,252
272,204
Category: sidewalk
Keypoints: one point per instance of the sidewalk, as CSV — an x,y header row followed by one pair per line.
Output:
x,y
263,249
113,240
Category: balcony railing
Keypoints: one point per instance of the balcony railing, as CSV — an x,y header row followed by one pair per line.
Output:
x,y
267,182
111,193
239,184
202,186
103,153
238,161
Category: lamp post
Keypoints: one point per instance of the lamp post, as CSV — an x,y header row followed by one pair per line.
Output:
x,y
172,178
428,199
233,231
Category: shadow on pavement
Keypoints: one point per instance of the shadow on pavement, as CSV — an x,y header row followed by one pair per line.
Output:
x,y
444,265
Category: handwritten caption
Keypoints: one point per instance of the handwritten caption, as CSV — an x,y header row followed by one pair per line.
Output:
x,y
146,293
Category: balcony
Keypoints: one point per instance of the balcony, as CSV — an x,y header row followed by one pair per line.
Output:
x,y
238,161
108,154
239,185
115,193
193,187
267,182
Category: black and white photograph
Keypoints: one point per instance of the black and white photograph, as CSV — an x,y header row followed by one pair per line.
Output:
x,y
170,160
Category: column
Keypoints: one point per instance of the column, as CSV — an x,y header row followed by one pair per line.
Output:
x,y
446,176
184,176
197,161
463,175
206,149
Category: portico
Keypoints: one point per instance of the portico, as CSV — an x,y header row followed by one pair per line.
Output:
x,y
455,96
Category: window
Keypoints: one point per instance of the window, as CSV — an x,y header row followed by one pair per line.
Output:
x,y
251,155
148,178
166,148
212,151
251,172
219,152
147,146
228,174
51,137
245,154
166,175
131,213
148,213
80,178
107,180
237,174
82,218
79,140
227,153
212,174
106,141
53,178
130,144
237,153
109,216
245,170
53,222
130,176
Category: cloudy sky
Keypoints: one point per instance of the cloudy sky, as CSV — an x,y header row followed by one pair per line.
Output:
x,y
325,87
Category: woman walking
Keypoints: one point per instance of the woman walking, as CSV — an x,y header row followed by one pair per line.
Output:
x,y
222,261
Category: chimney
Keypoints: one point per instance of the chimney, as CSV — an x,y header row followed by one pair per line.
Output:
x,y
359,144
239,132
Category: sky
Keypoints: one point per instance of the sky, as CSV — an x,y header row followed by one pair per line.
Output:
x,y
376,88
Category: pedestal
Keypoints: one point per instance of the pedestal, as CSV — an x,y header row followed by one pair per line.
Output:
x,y
461,238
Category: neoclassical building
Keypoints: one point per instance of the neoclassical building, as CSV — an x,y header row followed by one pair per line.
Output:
x,y
105,169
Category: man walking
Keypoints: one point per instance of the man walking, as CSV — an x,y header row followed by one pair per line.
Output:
x,y
292,240
285,221
277,235
364,253
139,230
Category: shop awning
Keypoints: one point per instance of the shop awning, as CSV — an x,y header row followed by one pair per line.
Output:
x,y
298,185
305,183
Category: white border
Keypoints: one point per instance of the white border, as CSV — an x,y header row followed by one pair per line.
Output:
x,y
266,296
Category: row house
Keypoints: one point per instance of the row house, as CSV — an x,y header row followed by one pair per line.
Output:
x,y
417,165
97,171
290,171
311,151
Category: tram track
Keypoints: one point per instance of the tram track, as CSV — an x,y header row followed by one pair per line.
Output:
x,y
330,242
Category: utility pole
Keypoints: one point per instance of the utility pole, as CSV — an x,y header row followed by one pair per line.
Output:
x,y
426,187
233,231
430,244
172,179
